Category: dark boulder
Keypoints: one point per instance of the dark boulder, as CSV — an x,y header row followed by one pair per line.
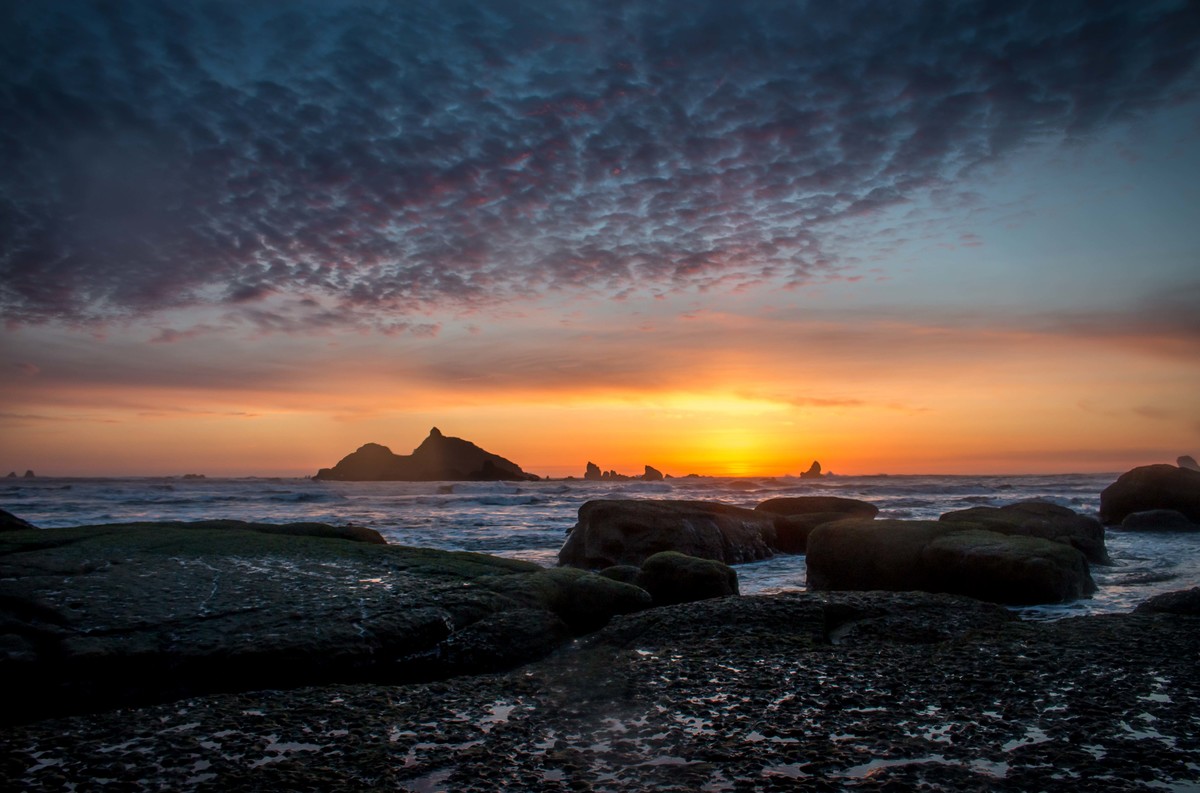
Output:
x,y
1158,520
1185,601
797,517
625,573
628,531
10,522
584,601
1152,487
672,577
1040,519
807,505
1187,461
956,558
652,474
813,472
792,531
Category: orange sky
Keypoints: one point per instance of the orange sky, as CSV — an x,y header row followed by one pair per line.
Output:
x,y
722,395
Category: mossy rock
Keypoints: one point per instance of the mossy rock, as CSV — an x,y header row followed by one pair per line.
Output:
x,y
672,577
953,557
584,601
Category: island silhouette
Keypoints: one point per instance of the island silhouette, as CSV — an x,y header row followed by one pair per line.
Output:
x,y
439,458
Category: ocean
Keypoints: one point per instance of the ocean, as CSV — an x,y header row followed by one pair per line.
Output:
x,y
529,520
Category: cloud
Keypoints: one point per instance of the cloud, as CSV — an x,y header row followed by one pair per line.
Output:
x,y
405,159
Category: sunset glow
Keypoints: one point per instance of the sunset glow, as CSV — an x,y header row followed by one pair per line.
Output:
x,y
723,239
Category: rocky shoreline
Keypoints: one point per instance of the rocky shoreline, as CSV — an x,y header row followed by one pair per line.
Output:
x,y
223,655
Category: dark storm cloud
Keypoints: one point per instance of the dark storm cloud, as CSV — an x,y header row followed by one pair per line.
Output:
x,y
403,157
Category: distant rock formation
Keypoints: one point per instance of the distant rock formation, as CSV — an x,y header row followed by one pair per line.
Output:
x,y
11,475
29,475
813,472
594,473
439,458
1188,461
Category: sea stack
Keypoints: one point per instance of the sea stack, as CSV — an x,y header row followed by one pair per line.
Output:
x,y
439,458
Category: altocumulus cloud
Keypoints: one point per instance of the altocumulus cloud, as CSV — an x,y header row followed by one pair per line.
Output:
x,y
379,159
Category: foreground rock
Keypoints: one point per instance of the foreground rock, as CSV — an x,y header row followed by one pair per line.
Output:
x,y
958,558
628,531
438,459
1158,520
1152,487
826,692
1186,602
1040,519
92,617
671,578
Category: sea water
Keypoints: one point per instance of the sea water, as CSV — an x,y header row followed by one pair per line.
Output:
x,y
529,520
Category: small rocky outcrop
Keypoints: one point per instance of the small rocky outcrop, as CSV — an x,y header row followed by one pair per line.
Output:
x,y
593,472
30,475
1187,461
10,522
1167,520
439,458
956,558
1152,487
629,531
1040,519
672,577
652,474
1186,601
813,472
797,517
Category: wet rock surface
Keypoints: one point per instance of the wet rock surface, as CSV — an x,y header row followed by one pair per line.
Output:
x,y
863,691
1151,487
92,617
945,556
1040,519
613,532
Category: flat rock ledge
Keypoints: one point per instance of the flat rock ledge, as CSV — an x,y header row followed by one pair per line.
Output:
x,y
98,616
858,691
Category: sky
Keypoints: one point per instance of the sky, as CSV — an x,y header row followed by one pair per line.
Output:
x,y
244,238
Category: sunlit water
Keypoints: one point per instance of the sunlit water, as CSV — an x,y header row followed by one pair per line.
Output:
x,y
529,520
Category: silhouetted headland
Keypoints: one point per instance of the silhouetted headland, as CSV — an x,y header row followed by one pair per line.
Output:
x,y
438,459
